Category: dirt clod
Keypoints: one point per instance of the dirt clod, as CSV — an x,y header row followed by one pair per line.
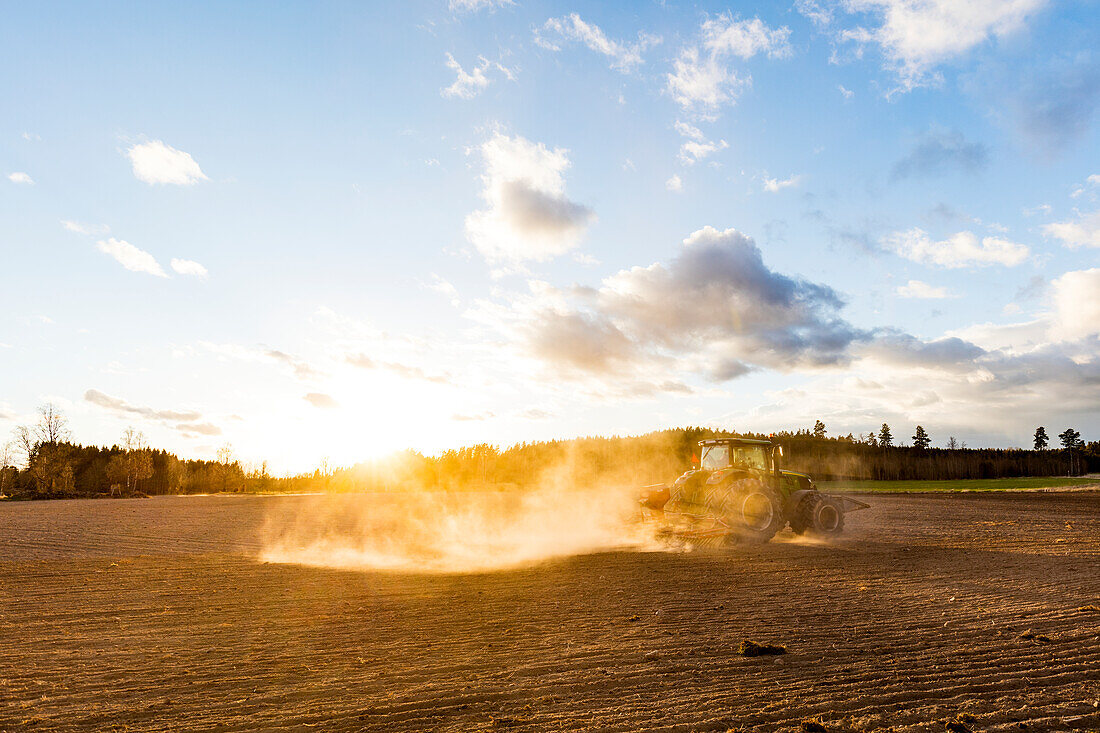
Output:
x,y
812,725
752,649
1032,636
957,726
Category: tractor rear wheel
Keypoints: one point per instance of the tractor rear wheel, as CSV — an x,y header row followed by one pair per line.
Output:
x,y
818,515
753,510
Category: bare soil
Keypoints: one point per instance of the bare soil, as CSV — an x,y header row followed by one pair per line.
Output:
x,y
976,610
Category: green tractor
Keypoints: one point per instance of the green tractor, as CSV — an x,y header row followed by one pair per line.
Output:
x,y
738,493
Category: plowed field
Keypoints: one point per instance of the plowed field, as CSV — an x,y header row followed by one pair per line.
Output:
x,y
156,614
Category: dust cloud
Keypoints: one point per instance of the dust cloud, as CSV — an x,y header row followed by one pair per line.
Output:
x,y
454,532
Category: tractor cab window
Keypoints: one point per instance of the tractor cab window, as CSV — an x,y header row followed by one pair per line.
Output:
x,y
715,457
750,456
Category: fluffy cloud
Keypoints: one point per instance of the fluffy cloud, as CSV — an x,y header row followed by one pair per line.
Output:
x,y
624,57
1084,231
938,152
959,250
715,310
528,215
744,39
1076,299
703,84
702,81
130,257
324,401
718,292
20,177
189,267
156,162
468,85
902,350
471,6
917,35
774,185
696,146
184,421
675,183
922,290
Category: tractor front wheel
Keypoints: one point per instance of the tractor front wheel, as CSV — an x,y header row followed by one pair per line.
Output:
x,y
818,515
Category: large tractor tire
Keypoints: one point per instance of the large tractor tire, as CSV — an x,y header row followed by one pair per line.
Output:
x,y
753,510
818,515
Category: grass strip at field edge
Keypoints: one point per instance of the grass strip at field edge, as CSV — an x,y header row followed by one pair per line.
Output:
x,y
962,485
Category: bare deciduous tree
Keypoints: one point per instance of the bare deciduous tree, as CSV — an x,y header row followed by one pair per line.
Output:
x,y
24,442
7,459
53,426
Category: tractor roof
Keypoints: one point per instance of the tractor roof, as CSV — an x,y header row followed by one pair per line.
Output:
x,y
737,441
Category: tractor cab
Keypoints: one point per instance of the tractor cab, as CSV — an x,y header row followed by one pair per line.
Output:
x,y
757,456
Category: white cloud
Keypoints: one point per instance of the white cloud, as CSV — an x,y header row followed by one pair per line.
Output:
x,y
691,132
131,257
703,85
31,137
444,287
675,183
20,177
847,93
959,250
624,57
471,6
321,400
528,215
703,82
745,38
1076,298
714,310
697,146
189,267
1082,232
818,14
85,229
156,162
774,185
922,290
469,85
917,35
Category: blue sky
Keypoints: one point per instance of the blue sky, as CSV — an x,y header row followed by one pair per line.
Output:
x,y
341,229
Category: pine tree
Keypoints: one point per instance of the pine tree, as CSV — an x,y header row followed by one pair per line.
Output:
x,y
819,429
1070,438
1042,440
921,439
885,437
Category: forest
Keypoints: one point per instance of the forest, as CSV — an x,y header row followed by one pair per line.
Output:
x,y
42,462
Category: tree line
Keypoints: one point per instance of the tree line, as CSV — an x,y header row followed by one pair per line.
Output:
x,y
52,466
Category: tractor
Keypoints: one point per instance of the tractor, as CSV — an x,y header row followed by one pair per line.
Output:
x,y
738,493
